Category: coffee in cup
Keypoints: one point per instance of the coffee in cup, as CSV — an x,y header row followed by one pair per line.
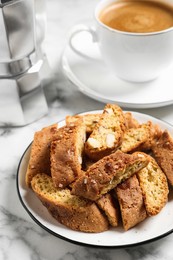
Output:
x,y
135,38
137,16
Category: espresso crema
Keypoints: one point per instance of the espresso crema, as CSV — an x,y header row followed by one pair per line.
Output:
x,y
137,16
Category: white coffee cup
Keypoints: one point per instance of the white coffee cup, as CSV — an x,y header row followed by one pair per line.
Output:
x,y
135,57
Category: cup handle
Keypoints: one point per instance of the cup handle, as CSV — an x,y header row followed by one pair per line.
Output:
x,y
78,29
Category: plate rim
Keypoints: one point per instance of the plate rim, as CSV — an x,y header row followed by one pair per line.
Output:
x,y
130,245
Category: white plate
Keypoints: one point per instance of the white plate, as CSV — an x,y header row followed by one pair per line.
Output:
x,y
93,79
149,230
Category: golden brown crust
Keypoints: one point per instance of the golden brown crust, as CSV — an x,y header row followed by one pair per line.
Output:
x,y
66,154
88,219
140,138
153,135
154,186
107,134
40,152
134,137
90,120
107,173
163,153
130,121
72,211
131,202
109,205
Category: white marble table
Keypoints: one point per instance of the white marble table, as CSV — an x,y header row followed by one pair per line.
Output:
x,y
20,236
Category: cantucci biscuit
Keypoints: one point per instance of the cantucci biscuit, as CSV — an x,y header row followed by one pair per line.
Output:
x,y
131,202
72,211
154,186
39,160
107,134
66,154
109,206
130,121
163,152
134,138
140,138
154,134
107,173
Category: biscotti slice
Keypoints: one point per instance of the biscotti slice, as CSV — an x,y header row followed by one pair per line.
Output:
x,y
130,121
107,134
154,134
134,137
90,120
163,153
131,202
107,173
140,138
66,154
154,186
109,206
39,160
72,211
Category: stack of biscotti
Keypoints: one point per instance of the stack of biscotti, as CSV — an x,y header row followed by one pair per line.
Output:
x,y
98,169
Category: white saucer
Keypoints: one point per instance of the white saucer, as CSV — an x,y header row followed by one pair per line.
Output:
x,y
93,79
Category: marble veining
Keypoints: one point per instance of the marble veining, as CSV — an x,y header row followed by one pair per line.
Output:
x,y
20,236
